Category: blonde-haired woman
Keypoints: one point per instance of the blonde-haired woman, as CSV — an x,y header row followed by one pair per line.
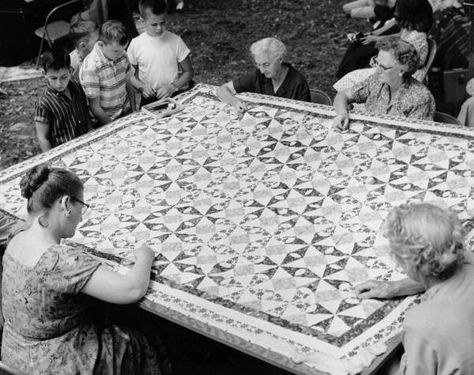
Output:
x,y
272,76
427,242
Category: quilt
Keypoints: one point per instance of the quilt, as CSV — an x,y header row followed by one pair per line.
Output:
x,y
263,222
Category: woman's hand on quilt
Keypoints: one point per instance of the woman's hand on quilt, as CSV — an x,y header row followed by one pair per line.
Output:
x,y
375,289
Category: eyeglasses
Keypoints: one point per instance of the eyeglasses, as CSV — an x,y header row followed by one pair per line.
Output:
x,y
375,64
264,65
85,206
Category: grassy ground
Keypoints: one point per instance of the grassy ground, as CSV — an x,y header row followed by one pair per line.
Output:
x,y
218,32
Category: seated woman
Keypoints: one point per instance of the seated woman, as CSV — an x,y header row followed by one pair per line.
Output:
x,y
413,19
452,32
272,76
47,290
391,90
427,242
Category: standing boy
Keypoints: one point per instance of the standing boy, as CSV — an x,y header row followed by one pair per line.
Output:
x,y
61,113
106,72
158,54
84,35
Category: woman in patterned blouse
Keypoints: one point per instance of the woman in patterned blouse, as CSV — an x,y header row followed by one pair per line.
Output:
x,y
391,89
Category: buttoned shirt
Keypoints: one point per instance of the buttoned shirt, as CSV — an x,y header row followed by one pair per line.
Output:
x,y
107,80
67,117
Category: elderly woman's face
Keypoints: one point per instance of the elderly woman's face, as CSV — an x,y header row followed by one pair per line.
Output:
x,y
267,64
390,70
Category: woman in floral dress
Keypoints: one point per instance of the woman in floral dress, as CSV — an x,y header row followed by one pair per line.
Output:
x,y
47,290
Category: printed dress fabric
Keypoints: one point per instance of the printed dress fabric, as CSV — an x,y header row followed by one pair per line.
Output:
x,y
412,99
48,328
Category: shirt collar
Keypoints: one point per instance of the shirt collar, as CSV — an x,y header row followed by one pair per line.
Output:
x,y
101,55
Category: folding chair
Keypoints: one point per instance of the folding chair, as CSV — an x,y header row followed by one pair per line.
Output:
x,y
55,25
320,97
445,118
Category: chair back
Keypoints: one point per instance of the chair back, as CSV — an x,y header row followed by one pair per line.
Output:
x,y
320,97
63,12
445,118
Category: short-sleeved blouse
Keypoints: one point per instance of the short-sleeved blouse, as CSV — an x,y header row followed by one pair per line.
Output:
x,y
412,99
47,328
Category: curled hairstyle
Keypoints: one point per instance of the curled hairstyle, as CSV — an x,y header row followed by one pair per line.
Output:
x,y
404,53
55,59
156,7
43,185
414,15
429,237
113,31
273,47
81,29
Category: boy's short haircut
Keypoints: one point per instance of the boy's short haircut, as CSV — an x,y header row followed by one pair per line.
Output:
x,y
156,7
81,29
113,31
55,59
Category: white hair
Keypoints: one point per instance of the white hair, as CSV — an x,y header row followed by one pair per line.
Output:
x,y
273,47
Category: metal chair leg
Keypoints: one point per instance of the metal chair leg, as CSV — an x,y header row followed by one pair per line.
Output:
x,y
39,53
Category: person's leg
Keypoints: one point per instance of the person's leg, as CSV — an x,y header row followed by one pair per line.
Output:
x,y
363,12
348,7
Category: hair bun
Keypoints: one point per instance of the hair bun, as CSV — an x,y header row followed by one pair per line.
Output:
x,y
33,179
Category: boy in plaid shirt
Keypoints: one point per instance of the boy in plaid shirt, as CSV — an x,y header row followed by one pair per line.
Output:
x,y
106,72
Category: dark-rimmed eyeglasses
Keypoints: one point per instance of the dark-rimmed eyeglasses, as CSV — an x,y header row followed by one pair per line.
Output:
x,y
375,64
85,206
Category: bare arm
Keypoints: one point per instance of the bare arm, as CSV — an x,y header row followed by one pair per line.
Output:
x,y
98,111
187,74
42,131
113,287
341,102
388,289
376,35
226,93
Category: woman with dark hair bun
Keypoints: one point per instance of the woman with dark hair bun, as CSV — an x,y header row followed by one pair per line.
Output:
x,y
47,290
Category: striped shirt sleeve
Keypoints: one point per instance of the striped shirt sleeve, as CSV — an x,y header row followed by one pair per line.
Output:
x,y
41,115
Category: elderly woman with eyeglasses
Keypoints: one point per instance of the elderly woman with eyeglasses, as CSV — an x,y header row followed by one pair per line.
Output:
x,y
272,76
427,242
391,89
48,290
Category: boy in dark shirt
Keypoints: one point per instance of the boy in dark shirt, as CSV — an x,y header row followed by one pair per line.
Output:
x,y
61,113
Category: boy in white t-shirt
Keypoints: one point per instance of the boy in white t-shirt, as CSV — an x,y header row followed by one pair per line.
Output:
x,y
157,54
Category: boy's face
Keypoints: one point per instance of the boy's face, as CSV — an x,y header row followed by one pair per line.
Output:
x,y
155,24
58,79
86,45
112,51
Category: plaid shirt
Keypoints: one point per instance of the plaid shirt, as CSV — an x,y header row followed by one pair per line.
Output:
x,y
67,118
106,79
